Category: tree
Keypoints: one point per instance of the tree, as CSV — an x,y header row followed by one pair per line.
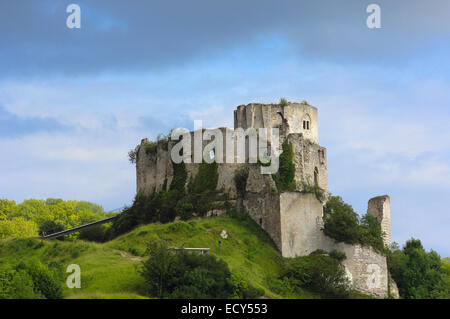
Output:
x,y
418,274
18,227
185,275
340,221
156,270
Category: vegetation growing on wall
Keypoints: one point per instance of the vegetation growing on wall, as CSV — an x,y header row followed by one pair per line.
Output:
x,y
179,177
285,178
148,146
132,154
283,102
343,224
314,189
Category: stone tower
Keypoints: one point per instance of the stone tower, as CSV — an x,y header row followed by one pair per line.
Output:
x,y
380,208
290,118
298,123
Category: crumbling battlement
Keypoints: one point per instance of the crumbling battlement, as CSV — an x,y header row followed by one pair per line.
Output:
x,y
380,208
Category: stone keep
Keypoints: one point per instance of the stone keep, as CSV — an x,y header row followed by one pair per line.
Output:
x,y
294,220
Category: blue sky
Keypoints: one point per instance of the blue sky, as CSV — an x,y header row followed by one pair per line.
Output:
x,y
73,102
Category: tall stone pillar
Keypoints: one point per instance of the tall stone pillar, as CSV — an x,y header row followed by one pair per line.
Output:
x,y
380,208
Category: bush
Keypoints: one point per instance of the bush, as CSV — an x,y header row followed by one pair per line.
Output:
x,y
184,275
31,279
50,227
99,233
45,281
132,155
242,289
314,189
16,285
318,273
283,102
338,255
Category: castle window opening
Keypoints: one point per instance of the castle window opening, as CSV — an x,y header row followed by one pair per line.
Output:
x,y
211,154
316,176
306,125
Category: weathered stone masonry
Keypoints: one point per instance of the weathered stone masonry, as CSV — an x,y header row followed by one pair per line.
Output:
x,y
292,219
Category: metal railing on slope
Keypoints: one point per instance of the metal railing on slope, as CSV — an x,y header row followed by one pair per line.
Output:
x,y
78,228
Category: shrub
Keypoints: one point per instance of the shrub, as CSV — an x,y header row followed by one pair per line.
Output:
x,y
50,227
338,255
184,275
283,102
318,273
16,285
314,189
242,289
99,234
132,155
45,281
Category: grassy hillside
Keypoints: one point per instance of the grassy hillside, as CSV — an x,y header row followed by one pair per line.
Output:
x,y
110,270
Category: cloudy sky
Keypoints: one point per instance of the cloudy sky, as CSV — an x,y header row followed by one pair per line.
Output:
x,y
74,101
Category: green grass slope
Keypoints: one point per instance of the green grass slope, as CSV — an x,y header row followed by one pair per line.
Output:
x,y
110,270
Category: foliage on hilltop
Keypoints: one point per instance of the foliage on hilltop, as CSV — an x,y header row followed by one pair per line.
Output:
x,y
35,217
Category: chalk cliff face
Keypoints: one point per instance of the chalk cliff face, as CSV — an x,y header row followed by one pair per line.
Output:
x,y
292,219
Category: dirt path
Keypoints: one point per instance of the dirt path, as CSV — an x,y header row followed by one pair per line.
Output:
x,y
124,254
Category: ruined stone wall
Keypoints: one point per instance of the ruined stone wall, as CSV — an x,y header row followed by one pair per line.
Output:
x,y
380,208
300,222
262,202
301,233
308,159
153,168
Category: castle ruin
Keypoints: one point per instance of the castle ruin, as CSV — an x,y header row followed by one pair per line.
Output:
x,y
292,219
